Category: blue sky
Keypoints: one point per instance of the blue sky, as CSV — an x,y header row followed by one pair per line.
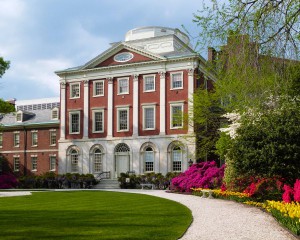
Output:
x,y
42,36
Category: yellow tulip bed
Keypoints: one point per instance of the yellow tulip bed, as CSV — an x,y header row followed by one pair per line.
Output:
x,y
287,214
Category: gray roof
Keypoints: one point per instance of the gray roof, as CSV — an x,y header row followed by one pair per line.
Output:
x,y
35,117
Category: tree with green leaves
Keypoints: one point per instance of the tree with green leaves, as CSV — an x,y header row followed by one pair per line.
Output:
x,y
5,107
253,40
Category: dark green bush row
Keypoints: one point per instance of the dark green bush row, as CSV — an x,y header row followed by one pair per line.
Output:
x,y
52,180
133,181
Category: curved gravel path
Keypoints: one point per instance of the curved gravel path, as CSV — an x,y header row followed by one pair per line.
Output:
x,y
215,219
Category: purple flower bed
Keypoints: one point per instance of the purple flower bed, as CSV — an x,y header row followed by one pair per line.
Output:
x,y
8,181
200,175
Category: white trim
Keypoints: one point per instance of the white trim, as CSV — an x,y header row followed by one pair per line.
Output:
x,y
154,117
70,121
171,115
71,85
94,88
1,136
144,82
118,119
19,113
129,57
118,85
93,116
171,80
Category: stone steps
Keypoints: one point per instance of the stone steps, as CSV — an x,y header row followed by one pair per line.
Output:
x,y
107,184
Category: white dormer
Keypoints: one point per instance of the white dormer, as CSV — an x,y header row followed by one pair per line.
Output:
x,y
55,113
19,116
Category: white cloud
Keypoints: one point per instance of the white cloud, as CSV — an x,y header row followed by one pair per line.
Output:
x,y
41,72
12,9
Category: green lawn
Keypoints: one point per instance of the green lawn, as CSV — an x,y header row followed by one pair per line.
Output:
x,y
91,215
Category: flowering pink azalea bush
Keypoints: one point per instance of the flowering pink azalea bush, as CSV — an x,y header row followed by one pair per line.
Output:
x,y
297,191
8,181
200,175
292,194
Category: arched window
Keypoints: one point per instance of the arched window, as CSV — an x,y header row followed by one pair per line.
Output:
x,y
149,159
74,160
97,160
176,155
122,147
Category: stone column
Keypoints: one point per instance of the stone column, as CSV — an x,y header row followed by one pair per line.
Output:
x,y
190,100
86,109
110,108
62,109
135,120
162,103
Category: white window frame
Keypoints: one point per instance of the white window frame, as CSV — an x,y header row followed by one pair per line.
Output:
x,y
56,111
51,157
171,115
172,156
94,122
123,78
15,134
74,161
153,159
70,122
154,116
52,131
34,164
71,90
118,119
144,81
100,163
171,80
16,169
94,88
33,132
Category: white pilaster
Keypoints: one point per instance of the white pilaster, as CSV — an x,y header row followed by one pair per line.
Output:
x,y
190,100
162,104
86,109
135,121
110,108
62,110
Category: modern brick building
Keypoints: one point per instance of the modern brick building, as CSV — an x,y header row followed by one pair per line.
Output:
x,y
29,137
124,110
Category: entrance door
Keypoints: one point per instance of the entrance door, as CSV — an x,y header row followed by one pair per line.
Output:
x,y
122,156
122,162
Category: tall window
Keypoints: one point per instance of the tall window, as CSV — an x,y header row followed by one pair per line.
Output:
x,y
74,90
97,160
149,159
16,164
52,160
149,117
123,119
123,86
176,115
176,159
149,83
176,80
74,160
34,138
1,140
98,87
53,137
98,121
74,122
33,163
16,139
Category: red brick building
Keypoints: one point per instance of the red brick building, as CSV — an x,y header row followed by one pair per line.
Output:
x,y
29,137
124,110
